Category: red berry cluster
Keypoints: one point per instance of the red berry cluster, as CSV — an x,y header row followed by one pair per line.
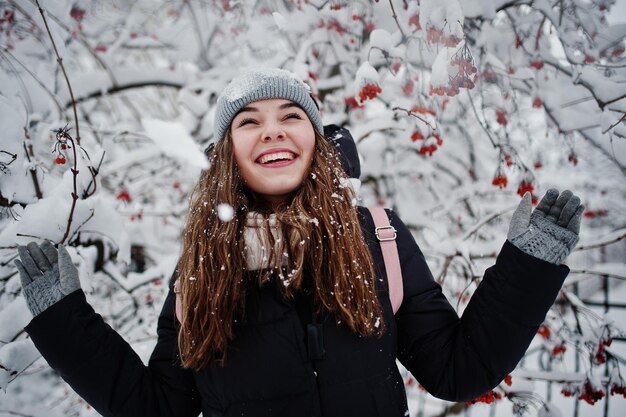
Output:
x,y
501,118
333,24
408,86
558,350
489,75
589,59
592,214
62,136
525,186
591,394
500,180
463,297
618,51
618,387
369,92
435,35
8,17
417,135
488,398
544,331
537,63
573,158
138,216
465,77
430,145
537,103
124,196
353,103
508,380
415,21
569,390
77,14
600,354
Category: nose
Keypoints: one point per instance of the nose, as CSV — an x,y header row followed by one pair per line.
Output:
x,y
273,131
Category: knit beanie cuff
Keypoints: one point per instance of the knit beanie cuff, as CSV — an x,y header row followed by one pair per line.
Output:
x,y
263,84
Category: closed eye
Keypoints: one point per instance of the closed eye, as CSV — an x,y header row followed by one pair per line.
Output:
x,y
245,122
293,116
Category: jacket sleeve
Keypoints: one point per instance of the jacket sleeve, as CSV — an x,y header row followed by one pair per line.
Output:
x,y
104,370
458,359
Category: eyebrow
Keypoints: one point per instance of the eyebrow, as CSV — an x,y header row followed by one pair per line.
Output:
x,y
281,107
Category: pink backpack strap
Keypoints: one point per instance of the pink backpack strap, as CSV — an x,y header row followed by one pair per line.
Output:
x,y
386,234
179,302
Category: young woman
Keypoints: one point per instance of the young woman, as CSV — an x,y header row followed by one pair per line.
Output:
x,y
285,308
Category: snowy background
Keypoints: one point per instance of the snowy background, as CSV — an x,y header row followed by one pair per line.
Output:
x,y
457,108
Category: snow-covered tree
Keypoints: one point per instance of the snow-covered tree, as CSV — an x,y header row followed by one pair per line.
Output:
x,y
456,106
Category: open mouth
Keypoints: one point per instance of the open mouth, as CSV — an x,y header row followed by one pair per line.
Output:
x,y
276,158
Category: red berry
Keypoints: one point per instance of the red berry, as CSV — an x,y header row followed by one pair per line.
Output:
x,y
407,88
123,195
573,158
77,14
558,349
500,181
351,101
537,63
415,21
501,118
544,331
523,187
370,91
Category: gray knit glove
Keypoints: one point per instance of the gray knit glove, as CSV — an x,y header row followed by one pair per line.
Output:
x,y
46,276
551,231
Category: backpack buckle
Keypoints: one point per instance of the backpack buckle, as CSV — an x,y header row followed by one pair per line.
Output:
x,y
386,234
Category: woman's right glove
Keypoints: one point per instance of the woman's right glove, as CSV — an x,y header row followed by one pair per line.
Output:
x,y
46,275
551,231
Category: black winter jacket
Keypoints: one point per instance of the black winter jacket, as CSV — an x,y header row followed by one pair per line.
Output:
x,y
269,371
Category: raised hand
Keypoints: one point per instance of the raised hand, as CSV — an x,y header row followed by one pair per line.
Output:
x,y
551,231
46,275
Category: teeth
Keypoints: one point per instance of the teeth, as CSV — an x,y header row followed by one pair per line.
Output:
x,y
275,156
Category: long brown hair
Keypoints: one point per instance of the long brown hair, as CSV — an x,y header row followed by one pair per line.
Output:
x,y
322,236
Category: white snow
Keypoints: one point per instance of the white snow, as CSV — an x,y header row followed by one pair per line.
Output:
x,y
225,212
174,141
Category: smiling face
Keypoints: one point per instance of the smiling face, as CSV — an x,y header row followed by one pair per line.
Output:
x,y
273,144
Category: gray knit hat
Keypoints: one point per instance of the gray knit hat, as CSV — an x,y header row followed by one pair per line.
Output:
x,y
263,84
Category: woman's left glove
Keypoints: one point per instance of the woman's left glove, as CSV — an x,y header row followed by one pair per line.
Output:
x,y
551,231
46,275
